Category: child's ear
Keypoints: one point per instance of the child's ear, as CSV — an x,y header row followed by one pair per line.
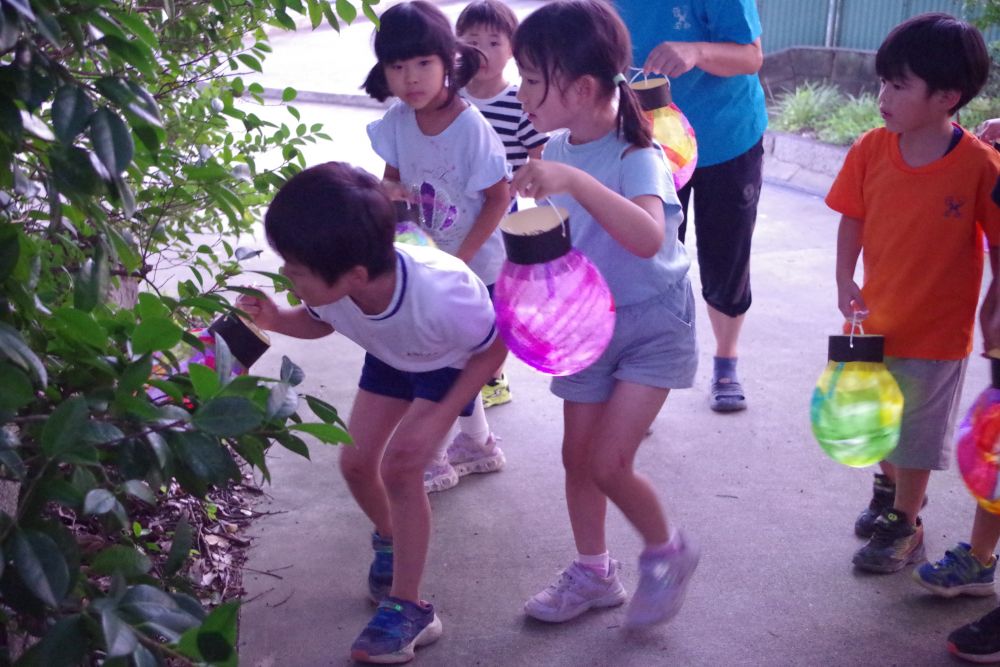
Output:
x,y
357,276
586,87
948,98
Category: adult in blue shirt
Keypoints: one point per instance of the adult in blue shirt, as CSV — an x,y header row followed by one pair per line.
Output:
x,y
710,50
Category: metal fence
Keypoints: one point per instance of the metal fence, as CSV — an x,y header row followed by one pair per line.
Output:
x,y
853,24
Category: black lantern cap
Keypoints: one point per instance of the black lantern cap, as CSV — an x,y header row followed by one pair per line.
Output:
x,y
652,93
406,212
856,348
245,340
995,371
536,235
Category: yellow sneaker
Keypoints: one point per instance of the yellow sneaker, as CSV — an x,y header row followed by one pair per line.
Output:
x,y
497,392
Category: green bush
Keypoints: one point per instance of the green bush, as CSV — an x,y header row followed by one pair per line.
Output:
x,y
802,108
849,120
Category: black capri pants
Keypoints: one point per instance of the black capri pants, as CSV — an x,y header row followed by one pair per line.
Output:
x,y
725,213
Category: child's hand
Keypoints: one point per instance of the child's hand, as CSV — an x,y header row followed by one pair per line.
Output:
x,y
852,305
540,178
989,130
262,310
396,190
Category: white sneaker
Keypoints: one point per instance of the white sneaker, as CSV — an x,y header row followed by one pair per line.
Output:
x,y
577,590
467,457
663,581
439,475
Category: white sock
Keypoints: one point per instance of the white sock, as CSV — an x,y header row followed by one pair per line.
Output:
x,y
475,427
599,563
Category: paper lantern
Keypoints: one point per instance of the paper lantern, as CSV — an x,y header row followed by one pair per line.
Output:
x,y
408,229
671,128
978,445
554,309
856,406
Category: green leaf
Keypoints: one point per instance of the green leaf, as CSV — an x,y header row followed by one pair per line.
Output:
x,y
294,444
63,645
111,140
324,411
10,250
92,280
228,416
130,53
288,94
327,433
16,389
40,565
157,333
250,62
73,172
79,326
215,640
71,110
140,490
282,401
23,8
119,638
278,279
179,548
99,433
62,429
136,374
346,10
123,560
13,347
291,373
156,612
99,501
149,305
138,27
202,460
10,460
369,12
205,381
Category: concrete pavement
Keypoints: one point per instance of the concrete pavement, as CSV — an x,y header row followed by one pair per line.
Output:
x,y
774,516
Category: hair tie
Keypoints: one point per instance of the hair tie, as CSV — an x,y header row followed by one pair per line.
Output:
x,y
619,79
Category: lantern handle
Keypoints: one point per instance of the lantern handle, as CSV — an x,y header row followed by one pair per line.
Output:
x,y
855,325
555,209
645,77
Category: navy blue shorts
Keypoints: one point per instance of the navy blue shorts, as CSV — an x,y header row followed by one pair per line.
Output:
x,y
725,213
380,378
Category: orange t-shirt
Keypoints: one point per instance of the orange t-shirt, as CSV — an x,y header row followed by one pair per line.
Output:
x,y
922,247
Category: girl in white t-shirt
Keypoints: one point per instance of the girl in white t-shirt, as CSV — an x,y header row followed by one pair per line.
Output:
x,y
624,214
447,160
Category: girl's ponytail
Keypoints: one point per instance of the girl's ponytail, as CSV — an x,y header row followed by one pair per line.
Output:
x,y
470,59
375,84
632,123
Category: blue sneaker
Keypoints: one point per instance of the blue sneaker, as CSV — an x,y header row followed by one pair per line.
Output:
x,y
380,572
397,628
663,582
958,573
894,544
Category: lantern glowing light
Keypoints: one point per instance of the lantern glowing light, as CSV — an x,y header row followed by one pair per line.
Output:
x,y
978,445
671,128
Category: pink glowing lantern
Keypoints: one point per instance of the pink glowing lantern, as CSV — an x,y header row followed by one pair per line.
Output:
x,y
671,128
978,446
554,309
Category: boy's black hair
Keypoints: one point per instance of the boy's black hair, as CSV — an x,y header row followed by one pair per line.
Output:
x,y
568,39
947,53
489,13
415,29
331,218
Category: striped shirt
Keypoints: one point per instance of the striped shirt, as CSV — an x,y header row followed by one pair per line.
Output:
x,y
509,121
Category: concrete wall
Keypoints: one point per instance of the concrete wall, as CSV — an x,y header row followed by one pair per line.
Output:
x,y
851,70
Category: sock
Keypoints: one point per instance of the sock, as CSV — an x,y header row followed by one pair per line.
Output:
x,y
475,427
663,548
599,563
725,367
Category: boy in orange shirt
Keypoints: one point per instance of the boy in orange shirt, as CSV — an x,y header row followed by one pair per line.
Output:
x,y
915,197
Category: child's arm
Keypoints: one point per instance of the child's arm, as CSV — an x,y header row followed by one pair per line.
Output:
x,y
496,201
535,152
989,314
848,250
637,224
296,322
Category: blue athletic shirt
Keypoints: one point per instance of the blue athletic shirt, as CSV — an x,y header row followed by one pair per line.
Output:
x,y
728,113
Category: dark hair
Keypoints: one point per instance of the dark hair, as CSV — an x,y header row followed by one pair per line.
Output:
x,y
568,39
947,53
490,13
331,218
415,29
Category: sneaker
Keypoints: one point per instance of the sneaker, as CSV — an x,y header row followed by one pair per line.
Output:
x,y
663,581
978,641
467,457
959,572
397,628
577,590
894,544
440,475
883,498
496,392
380,572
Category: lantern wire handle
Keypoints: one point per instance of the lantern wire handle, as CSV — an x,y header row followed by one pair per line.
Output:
x,y
645,77
555,210
855,325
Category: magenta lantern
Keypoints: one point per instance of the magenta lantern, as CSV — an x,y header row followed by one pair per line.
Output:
x,y
978,447
554,309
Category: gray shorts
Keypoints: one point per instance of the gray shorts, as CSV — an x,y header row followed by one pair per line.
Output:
x,y
931,393
653,344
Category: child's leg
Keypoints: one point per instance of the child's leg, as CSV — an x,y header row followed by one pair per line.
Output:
x,y
911,485
406,456
586,504
985,535
373,419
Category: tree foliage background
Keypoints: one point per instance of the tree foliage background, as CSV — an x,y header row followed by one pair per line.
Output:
x,y
118,157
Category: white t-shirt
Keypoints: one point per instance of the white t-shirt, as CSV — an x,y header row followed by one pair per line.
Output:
x,y
440,314
505,115
447,174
